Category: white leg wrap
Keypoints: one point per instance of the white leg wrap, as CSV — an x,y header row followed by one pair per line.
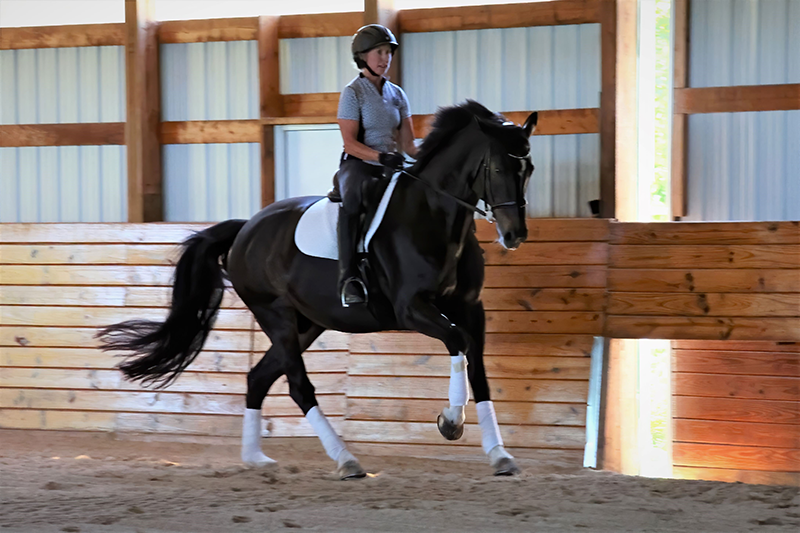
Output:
x,y
334,446
459,388
490,431
251,439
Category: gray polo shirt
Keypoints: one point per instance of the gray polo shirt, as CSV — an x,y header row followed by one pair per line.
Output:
x,y
381,114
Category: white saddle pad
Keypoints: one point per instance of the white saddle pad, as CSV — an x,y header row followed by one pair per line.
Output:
x,y
316,234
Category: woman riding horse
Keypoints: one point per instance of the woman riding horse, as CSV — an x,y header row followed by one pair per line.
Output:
x,y
373,112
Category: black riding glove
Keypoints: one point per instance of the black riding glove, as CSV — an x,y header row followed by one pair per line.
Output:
x,y
392,160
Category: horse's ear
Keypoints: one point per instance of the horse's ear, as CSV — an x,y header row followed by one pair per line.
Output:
x,y
530,123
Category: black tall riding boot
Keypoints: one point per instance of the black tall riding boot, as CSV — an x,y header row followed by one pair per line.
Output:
x,y
352,288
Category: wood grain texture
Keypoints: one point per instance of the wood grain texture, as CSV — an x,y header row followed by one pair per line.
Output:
x,y
552,230
500,16
729,475
747,346
311,104
608,107
320,25
267,165
744,387
742,99
587,323
119,275
210,131
98,233
270,102
541,299
551,253
551,121
713,233
721,328
747,363
526,277
694,256
736,410
736,457
680,79
737,433
704,304
703,281
209,30
98,134
62,36
87,254
518,413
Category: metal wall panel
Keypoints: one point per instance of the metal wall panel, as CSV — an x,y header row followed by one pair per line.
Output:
x,y
744,166
67,183
210,81
315,65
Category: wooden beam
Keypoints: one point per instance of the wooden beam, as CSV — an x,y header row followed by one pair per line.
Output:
x,y
608,107
145,197
271,101
740,99
105,133
203,31
62,36
267,165
680,62
311,104
383,12
500,16
551,122
319,25
211,131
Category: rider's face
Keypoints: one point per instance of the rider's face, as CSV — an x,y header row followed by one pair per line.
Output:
x,y
379,59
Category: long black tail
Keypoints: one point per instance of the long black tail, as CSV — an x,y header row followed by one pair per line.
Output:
x,y
165,349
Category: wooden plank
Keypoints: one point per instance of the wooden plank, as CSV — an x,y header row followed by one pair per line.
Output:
x,y
608,108
732,476
745,387
103,233
206,382
57,420
736,410
541,299
680,80
706,256
383,12
283,121
98,134
514,390
745,98
419,433
267,166
572,277
703,281
62,36
704,304
86,254
552,253
270,102
553,230
747,346
143,97
737,433
589,323
496,366
714,233
328,341
722,328
496,344
209,30
44,337
618,442
155,402
311,104
239,319
748,363
207,361
86,275
519,413
500,16
319,25
210,131
736,457
551,121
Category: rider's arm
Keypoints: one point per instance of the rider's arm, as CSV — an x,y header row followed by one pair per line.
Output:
x,y
407,137
349,129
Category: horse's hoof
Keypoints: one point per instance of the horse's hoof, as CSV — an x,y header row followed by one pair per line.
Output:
x,y
258,460
506,467
449,430
351,470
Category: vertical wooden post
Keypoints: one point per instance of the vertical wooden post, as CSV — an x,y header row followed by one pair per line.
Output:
x,y
383,12
608,108
145,190
680,62
619,450
270,99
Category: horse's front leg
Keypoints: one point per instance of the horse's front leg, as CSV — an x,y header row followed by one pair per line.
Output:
x,y
472,318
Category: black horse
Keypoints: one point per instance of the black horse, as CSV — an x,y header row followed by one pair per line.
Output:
x,y
425,273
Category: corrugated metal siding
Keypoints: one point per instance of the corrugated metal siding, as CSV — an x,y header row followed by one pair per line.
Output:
x,y
210,81
69,183
315,65
744,166
306,158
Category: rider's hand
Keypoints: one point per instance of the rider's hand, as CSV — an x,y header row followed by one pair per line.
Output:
x,y
392,160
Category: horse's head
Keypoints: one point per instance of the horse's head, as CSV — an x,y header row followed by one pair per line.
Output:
x,y
506,169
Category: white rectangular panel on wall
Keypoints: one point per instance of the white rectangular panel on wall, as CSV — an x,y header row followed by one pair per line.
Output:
x,y
65,183
210,81
315,65
306,158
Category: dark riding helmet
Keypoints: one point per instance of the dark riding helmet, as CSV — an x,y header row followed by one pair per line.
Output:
x,y
369,37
